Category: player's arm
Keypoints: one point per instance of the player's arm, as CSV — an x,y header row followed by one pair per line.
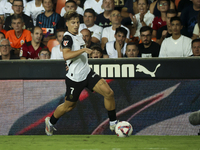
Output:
x,y
105,54
68,54
67,46
124,12
104,40
152,5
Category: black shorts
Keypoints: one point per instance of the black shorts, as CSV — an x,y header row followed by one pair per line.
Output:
x,y
74,89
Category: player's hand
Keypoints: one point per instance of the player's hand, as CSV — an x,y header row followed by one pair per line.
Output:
x,y
87,50
133,19
118,46
67,68
141,17
164,33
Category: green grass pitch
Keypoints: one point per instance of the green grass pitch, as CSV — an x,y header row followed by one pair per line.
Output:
x,y
99,142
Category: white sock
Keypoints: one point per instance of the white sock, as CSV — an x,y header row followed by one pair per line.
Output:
x,y
113,122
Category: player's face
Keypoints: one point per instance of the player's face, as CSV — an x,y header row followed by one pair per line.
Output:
x,y
176,27
146,37
44,55
196,48
89,19
132,51
73,25
169,16
60,36
120,38
115,17
70,7
108,5
5,48
142,6
17,7
163,6
37,35
48,5
17,24
96,54
86,37
196,3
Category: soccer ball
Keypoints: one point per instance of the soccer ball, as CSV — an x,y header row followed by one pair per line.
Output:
x,y
123,129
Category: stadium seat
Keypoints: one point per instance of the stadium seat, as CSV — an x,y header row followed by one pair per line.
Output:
x,y
60,4
51,43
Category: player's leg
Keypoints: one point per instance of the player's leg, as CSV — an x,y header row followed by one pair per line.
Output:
x,y
60,111
73,90
104,89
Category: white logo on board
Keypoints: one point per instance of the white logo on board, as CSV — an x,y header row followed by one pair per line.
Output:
x,y
140,68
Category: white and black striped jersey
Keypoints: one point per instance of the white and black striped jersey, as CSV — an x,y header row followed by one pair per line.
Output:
x,y
78,66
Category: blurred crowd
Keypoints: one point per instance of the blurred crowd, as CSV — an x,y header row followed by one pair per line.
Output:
x,y
111,28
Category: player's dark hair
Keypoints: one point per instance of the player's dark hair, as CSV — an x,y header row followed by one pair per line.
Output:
x,y
60,30
98,48
171,11
111,0
33,29
51,1
18,1
90,10
145,1
132,43
46,50
146,28
175,19
2,34
195,40
168,2
71,14
121,30
14,17
71,1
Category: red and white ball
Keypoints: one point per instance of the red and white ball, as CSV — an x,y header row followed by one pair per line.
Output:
x,y
123,129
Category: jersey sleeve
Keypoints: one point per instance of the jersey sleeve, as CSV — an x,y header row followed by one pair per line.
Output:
x,y
1,11
86,5
97,33
67,42
62,12
105,51
163,49
27,10
53,53
155,21
196,29
104,33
